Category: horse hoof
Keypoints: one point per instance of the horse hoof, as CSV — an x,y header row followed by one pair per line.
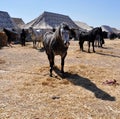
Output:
x,y
50,75
62,72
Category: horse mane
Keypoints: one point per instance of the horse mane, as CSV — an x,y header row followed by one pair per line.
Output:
x,y
57,33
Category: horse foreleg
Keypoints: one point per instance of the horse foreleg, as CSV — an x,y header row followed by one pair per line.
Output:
x,y
81,45
39,44
51,61
33,43
9,45
62,63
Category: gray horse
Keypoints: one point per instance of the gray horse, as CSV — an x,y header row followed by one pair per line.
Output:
x,y
57,43
36,36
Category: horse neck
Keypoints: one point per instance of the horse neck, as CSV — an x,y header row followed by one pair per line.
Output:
x,y
57,35
7,32
33,32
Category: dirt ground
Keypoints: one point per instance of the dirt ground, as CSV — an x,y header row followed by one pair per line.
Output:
x,y
27,91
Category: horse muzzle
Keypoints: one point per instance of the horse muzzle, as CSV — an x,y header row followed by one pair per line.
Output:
x,y
67,44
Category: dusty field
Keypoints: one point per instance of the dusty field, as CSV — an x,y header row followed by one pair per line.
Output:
x,y
27,91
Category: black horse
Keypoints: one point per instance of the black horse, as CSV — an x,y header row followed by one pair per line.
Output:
x,y
99,41
11,34
57,43
90,36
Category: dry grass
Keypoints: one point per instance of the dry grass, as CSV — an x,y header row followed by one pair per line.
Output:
x,y
27,91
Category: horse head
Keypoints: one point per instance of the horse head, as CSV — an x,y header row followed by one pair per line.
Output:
x,y
97,31
63,33
32,33
30,30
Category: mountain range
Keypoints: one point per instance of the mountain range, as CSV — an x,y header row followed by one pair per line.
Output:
x,y
104,27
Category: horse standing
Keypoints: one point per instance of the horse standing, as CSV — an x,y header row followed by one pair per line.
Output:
x,y
90,36
57,43
12,35
36,36
99,41
3,39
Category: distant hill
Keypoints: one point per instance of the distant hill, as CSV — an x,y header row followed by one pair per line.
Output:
x,y
109,29
49,20
83,25
106,28
116,30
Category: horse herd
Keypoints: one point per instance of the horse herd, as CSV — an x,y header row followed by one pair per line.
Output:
x,y
57,42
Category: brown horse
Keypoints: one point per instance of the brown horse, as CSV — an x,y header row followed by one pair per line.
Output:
x,y
56,43
3,39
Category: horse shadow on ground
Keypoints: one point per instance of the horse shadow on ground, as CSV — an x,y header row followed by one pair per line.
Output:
x,y
85,83
105,47
110,55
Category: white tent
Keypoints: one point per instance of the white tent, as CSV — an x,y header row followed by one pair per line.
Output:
x,y
50,20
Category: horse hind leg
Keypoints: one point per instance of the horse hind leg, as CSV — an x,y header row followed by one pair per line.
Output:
x,y
93,46
39,44
34,43
88,47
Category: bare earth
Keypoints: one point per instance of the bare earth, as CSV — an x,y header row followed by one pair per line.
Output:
x,y
27,91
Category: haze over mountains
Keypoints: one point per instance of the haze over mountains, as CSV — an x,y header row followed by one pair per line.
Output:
x,y
104,27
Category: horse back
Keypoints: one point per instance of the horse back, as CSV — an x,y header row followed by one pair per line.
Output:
x,y
53,45
84,36
47,39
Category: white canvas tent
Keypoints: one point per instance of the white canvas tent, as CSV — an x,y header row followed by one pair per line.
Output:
x,y
50,20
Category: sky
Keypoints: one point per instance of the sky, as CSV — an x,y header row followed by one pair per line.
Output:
x,y
93,12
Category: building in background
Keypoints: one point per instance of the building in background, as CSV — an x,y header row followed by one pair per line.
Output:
x,y
6,21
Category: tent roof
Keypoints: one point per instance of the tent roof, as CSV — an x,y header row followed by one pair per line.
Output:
x,y
19,22
50,20
83,25
6,21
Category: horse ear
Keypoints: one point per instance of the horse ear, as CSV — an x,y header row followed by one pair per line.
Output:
x,y
100,28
